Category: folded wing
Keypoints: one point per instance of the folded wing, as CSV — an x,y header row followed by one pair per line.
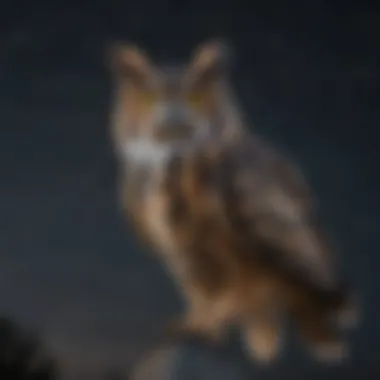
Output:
x,y
271,204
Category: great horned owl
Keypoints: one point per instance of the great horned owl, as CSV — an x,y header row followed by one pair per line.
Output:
x,y
233,220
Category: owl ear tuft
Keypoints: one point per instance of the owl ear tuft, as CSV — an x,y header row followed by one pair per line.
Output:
x,y
126,60
211,60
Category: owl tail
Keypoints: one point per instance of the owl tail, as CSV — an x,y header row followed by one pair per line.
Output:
x,y
341,307
320,317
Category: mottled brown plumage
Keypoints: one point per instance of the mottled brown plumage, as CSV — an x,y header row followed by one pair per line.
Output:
x,y
233,220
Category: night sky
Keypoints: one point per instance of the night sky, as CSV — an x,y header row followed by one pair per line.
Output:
x,y
307,75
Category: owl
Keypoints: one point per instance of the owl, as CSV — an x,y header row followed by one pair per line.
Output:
x,y
231,218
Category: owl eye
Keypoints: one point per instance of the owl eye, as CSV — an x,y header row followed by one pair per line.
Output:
x,y
196,99
148,98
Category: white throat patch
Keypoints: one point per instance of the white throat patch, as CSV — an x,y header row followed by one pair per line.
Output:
x,y
142,151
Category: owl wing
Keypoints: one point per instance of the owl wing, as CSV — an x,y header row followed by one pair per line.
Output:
x,y
269,203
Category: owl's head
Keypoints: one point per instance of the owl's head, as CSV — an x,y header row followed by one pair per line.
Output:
x,y
171,104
